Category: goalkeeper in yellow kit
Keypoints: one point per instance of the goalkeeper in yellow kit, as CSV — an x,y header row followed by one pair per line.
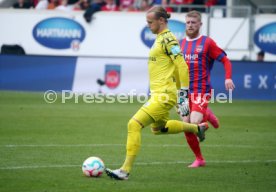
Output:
x,y
167,71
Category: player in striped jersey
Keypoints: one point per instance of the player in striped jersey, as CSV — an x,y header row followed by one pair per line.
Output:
x,y
200,52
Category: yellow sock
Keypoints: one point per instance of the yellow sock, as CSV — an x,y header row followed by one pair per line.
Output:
x,y
175,126
128,163
134,137
133,144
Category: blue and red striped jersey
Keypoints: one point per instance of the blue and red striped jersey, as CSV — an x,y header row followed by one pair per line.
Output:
x,y
200,54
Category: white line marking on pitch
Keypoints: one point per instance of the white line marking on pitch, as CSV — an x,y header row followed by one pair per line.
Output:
x,y
122,145
140,163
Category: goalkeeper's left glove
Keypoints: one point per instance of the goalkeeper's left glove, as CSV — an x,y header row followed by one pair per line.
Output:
x,y
183,102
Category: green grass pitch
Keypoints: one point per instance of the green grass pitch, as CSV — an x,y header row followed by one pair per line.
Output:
x,y
42,147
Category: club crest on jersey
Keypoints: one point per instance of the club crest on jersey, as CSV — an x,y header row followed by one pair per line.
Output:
x,y
112,75
199,48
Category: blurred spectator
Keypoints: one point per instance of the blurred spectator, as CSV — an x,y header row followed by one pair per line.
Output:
x,y
126,5
157,2
22,4
34,2
163,3
72,2
53,4
260,56
84,4
221,2
66,5
144,5
12,49
245,58
199,2
63,6
93,8
42,4
183,2
210,3
110,6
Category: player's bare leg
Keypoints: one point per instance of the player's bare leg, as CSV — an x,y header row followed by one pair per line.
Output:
x,y
211,117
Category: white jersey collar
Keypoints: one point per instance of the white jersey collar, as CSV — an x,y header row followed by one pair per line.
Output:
x,y
188,39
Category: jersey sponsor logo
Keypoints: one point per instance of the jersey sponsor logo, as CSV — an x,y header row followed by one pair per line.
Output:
x,y
152,58
265,38
59,33
176,27
191,57
112,76
175,50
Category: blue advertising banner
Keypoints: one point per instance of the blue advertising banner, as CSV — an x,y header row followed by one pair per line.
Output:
x,y
36,73
59,33
176,27
253,80
265,38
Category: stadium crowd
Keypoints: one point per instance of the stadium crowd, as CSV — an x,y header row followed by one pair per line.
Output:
x,y
110,5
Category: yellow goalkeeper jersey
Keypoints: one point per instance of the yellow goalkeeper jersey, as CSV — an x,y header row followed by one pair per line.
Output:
x,y
166,65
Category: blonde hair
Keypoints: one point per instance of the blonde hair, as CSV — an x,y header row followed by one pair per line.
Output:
x,y
159,12
195,14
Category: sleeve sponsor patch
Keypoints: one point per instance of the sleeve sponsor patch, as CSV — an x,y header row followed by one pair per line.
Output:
x,y
175,50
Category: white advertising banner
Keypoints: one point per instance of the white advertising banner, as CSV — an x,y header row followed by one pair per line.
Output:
x,y
111,75
110,34
125,34
236,28
232,35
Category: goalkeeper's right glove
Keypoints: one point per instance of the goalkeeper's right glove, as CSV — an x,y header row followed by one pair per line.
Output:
x,y
183,102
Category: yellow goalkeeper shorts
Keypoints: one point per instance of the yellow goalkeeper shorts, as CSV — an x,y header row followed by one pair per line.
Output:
x,y
158,107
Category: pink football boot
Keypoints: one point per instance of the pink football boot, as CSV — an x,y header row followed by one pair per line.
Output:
x,y
198,163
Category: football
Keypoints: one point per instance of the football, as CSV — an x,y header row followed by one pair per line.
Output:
x,y
93,167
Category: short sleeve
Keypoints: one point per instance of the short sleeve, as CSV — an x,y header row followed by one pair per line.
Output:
x,y
215,52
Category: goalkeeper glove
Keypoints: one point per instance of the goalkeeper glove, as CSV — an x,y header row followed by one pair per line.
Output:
x,y
183,102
